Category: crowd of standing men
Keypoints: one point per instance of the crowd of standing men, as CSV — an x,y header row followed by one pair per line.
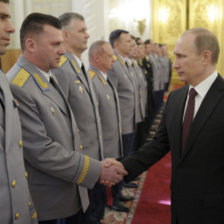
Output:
x,y
73,119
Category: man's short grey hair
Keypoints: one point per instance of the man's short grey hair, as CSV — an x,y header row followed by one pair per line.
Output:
x,y
205,40
96,48
68,17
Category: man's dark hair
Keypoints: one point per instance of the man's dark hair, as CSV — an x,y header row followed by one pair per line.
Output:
x,y
137,41
115,35
5,1
34,23
133,37
67,17
148,41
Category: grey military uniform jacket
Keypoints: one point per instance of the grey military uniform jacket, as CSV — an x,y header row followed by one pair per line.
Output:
x,y
81,97
126,93
142,88
52,148
16,205
158,83
109,112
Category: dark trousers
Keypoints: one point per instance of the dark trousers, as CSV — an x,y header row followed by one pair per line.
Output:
x,y
128,143
75,219
158,101
95,211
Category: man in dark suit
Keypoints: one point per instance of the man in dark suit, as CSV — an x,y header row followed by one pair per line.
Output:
x,y
197,185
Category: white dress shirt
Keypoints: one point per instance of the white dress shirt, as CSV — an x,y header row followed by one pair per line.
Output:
x,y
202,88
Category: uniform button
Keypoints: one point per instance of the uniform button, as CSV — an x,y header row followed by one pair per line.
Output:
x,y
17,215
52,111
20,144
29,204
81,147
100,136
13,183
34,216
120,131
78,130
26,174
97,104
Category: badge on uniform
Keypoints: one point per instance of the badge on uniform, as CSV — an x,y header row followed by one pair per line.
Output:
x,y
15,103
108,97
77,81
80,89
52,111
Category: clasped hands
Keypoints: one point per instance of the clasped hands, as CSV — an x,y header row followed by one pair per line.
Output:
x,y
112,172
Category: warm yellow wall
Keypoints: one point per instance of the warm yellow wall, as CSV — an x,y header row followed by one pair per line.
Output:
x,y
9,59
172,17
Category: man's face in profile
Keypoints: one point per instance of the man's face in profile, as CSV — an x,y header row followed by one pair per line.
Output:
x,y
6,27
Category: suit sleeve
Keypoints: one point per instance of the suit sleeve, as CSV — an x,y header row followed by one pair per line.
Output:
x,y
148,154
48,155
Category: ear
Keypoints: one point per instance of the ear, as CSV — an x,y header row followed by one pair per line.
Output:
x,y
207,57
97,58
31,44
65,34
116,43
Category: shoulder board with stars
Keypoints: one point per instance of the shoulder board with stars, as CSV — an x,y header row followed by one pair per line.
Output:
x,y
21,78
92,74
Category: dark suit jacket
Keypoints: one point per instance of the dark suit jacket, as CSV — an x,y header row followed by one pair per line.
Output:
x,y
197,183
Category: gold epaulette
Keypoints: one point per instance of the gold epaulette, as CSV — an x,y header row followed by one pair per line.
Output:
x,y
92,74
114,57
21,78
62,61
41,83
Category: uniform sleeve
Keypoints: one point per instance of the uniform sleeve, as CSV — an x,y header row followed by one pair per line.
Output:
x,y
48,155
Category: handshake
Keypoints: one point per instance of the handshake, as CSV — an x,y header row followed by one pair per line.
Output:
x,y
112,172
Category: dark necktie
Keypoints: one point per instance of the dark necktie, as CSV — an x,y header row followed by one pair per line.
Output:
x,y
189,114
52,81
84,71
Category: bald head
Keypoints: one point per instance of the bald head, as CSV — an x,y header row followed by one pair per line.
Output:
x,y
101,55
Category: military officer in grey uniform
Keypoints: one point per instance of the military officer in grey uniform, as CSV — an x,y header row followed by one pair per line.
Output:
x,y
58,171
101,60
16,205
141,130
78,88
120,41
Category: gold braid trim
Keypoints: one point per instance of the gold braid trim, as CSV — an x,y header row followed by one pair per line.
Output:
x,y
85,170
